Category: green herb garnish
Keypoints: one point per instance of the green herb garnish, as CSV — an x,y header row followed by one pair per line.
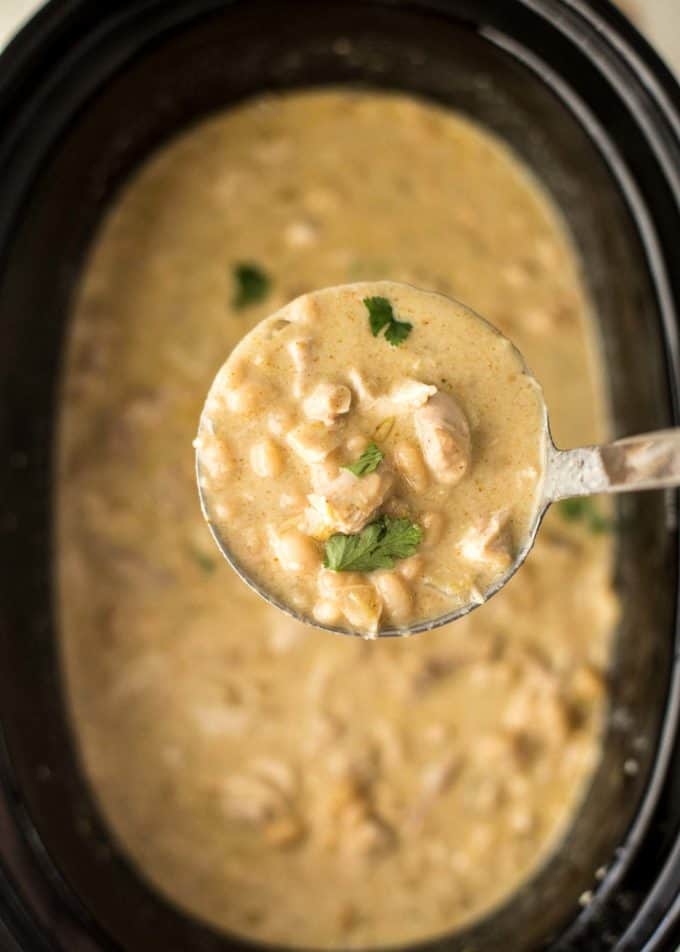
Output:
x,y
381,314
397,332
252,284
583,509
205,562
377,546
369,461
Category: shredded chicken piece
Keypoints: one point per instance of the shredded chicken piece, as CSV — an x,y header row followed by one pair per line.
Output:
x,y
348,503
364,394
411,394
436,779
312,442
491,542
327,402
404,397
353,823
444,434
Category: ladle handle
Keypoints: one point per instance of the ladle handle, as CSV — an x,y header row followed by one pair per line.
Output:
x,y
650,461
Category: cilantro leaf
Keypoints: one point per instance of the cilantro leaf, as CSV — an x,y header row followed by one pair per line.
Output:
x,y
381,314
205,562
397,332
252,284
584,509
342,553
377,546
369,461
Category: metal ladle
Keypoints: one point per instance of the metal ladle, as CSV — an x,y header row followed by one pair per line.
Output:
x,y
650,461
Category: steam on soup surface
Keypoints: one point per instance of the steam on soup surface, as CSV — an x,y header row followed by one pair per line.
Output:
x,y
284,784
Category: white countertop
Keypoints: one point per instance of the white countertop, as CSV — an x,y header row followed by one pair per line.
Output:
x,y
660,19
13,13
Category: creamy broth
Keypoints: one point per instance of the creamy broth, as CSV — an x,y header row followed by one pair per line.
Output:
x,y
373,484
293,786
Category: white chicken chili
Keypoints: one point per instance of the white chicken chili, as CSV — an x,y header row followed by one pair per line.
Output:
x,y
287,787
372,456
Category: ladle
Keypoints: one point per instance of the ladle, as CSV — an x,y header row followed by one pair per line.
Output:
x,y
650,461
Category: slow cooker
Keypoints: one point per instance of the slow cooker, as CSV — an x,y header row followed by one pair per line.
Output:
x,y
87,90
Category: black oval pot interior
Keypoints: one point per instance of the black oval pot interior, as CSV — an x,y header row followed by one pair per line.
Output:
x,y
88,92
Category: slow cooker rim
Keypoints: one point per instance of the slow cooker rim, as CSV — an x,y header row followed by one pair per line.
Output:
x,y
55,16
670,875
671,726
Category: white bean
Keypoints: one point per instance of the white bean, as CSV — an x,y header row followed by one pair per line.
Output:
x,y
433,523
297,552
303,310
357,444
362,606
214,405
266,459
236,373
327,402
216,457
327,612
243,399
411,569
300,350
410,463
396,595
332,583
280,422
